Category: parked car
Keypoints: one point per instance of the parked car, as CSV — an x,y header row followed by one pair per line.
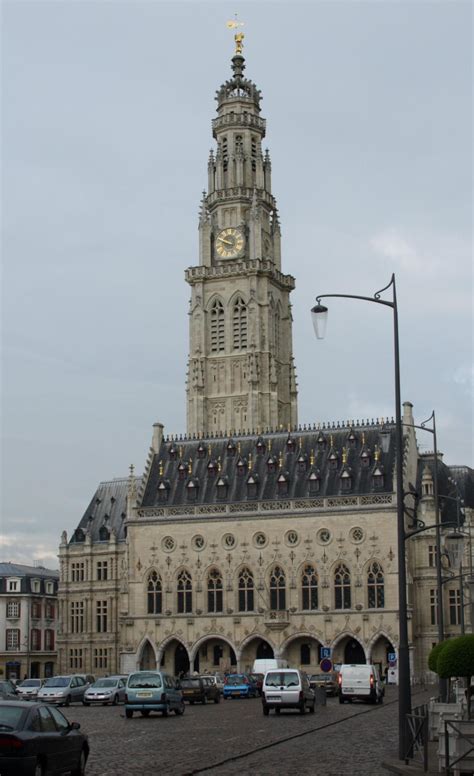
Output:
x,y
8,691
258,679
239,686
287,689
328,681
110,689
200,689
360,682
29,688
148,691
63,690
219,680
37,739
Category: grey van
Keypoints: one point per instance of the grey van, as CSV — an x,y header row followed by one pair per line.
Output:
x,y
287,688
153,691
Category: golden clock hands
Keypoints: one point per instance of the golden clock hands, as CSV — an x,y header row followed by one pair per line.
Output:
x,y
227,242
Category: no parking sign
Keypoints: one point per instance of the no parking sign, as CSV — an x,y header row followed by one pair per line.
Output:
x,y
326,665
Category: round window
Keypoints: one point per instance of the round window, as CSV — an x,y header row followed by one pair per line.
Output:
x,y
228,540
198,542
168,544
324,536
259,539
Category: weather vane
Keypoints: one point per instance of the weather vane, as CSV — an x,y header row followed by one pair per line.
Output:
x,y
234,24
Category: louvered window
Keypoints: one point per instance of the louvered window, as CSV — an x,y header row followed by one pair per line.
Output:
x,y
239,322
217,327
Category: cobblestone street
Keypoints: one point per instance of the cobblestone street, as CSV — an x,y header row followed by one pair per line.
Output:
x,y
341,740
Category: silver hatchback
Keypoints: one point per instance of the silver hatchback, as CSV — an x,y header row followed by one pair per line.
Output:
x,y
110,689
63,690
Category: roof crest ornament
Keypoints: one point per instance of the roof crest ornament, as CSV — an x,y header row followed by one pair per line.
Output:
x,y
234,24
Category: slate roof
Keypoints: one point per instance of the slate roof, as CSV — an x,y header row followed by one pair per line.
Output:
x,y
19,570
199,464
107,510
453,481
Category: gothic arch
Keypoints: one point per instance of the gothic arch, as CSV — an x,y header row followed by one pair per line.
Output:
x,y
141,648
166,642
219,636
300,635
381,634
215,298
350,636
238,295
256,636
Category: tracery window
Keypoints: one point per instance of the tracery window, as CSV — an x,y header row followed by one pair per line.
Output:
x,y
239,324
375,586
217,327
154,594
277,589
309,588
185,592
246,591
214,591
342,587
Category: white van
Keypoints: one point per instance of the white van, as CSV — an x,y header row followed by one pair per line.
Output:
x,y
360,682
287,688
268,664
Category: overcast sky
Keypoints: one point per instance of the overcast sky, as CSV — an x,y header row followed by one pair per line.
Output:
x,y
107,110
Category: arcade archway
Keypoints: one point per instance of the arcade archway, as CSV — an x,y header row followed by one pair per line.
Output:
x,y
255,649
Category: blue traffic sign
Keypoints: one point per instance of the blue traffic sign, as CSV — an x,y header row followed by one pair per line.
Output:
x,y
392,657
325,665
325,652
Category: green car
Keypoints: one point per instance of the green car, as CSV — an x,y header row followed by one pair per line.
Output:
x,y
148,691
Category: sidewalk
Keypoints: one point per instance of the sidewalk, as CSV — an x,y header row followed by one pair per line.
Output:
x,y
415,767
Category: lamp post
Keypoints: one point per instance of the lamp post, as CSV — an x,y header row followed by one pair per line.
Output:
x,y
319,315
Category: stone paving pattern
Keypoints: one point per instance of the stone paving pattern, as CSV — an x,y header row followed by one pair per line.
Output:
x,y
352,739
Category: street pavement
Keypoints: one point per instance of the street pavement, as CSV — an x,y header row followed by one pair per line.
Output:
x,y
234,737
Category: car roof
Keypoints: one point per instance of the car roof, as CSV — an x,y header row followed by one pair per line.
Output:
x,y
21,704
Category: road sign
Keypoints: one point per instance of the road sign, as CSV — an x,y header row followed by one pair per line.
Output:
x,y
326,665
325,652
392,659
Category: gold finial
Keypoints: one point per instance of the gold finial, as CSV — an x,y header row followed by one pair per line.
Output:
x,y
219,464
344,456
269,445
250,462
300,443
209,451
190,470
238,447
180,451
363,438
280,460
377,453
311,458
161,468
234,24
331,440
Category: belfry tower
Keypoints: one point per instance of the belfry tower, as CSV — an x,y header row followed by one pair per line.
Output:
x,y
241,373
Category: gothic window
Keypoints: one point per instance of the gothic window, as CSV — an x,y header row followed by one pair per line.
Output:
x,y
214,592
254,153
154,593
342,587
225,153
305,654
375,586
277,589
239,324
185,592
217,327
246,588
309,589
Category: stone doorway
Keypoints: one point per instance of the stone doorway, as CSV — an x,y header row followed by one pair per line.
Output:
x,y
147,658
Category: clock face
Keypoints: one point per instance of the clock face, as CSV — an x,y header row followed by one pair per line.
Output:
x,y
229,243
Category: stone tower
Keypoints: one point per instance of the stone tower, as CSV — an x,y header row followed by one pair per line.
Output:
x,y
241,374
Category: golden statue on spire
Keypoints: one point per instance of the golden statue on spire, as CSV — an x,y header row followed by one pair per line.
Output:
x,y
233,24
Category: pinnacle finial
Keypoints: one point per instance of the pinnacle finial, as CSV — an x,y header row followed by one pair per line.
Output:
x,y
234,24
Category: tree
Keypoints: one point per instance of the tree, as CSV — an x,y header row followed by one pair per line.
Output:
x,y
433,656
456,659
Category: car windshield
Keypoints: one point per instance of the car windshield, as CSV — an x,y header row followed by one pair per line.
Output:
x,y
10,717
105,683
235,680
190,683
282,679
31,683
57,681
144,680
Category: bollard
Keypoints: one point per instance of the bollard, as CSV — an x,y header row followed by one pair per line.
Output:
x,y
320,696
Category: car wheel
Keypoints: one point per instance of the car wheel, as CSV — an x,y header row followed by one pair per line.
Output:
x,y
39,769
180,709
341,699
145,713
81,765
266,711
381,699
128,713
191,703
85,703
166,710
302,708
204,700
217,699
67,701
115,701
311,709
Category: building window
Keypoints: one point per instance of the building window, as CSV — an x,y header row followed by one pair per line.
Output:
x,y
277,589
185,592
102,570
36,610
13,609
13,585
246,588
346,481
77,616
432,555
77,572
214,592
154,594
35,639
50,610
35,586
342,587
13,638
239,324
104,534
454,607
309,588
305,655
375,587
49,639
217,327
434,606
75,658
49,588
314,483
282,485
101,616
101,657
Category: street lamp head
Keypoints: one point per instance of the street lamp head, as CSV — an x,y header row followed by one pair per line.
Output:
x,y
454,548
385,440
319,315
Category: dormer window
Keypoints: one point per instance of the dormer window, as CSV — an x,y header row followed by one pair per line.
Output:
x,y
351,439
377,478
104,534
332,461
346,480
222,487
364,459
260,446
173,453
192,490
163,491
241,466
182,471
290,445
302,462
201,451
212,468
282,484
252,486
79,535
271,464
314,483
231,448
321,441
